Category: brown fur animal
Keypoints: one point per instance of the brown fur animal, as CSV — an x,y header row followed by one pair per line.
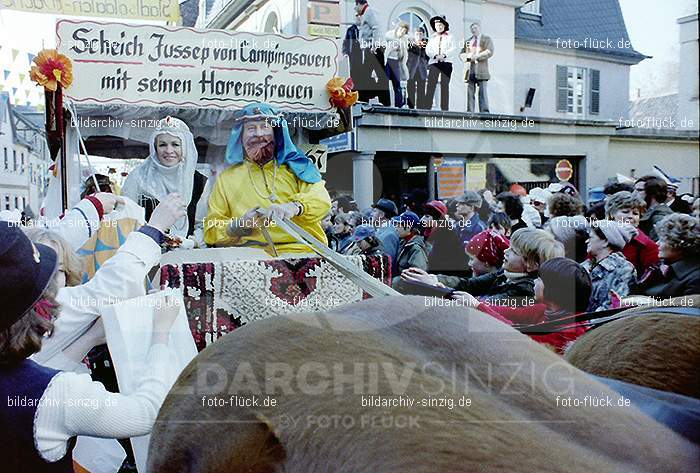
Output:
x,y
317,367
660,351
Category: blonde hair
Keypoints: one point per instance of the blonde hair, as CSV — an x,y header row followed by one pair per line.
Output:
x,y
536,246
72,265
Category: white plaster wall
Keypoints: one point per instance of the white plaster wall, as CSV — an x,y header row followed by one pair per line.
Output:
x,y
689,75
678,158
538,69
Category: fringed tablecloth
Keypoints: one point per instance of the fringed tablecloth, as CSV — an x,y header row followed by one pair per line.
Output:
x,y
223,295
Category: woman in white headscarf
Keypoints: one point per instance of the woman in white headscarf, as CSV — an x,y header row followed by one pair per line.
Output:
x,y
169,168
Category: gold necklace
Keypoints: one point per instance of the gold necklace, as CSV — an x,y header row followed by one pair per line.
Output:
x,y
272,197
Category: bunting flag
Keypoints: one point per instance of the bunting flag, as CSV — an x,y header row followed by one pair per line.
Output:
x,y
2,86
31,57
15,52
14,91
21,77
7,74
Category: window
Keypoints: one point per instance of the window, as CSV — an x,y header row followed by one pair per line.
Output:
x,y
24,203
7,160
16,202
21,169
571,90
7,202
595,91
532,7
415,22
272,24
14,160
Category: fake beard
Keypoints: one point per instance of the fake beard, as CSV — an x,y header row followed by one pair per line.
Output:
x,y
260,150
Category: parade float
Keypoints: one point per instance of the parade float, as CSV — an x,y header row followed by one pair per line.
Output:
x,y
108,84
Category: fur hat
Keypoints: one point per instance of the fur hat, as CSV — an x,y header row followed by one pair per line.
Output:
x,y
27,270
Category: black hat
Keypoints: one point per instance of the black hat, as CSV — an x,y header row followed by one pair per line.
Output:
x,y
442,20
387,206
26,270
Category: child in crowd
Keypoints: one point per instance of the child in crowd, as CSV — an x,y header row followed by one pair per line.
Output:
x,y
486,252
412,250
365,242
609,269
514,283
562,289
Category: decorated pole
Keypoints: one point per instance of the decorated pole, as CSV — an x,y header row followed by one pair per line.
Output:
x,y
54,72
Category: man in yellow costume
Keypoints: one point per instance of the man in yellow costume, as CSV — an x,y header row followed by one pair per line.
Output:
x,y
268,177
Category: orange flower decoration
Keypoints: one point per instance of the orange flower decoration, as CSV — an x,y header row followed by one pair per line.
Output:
x,y
52,69
342,95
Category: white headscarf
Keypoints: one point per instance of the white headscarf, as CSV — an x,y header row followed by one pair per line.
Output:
x,y
154,180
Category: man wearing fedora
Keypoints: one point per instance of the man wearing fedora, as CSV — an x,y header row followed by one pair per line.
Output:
x,y
440,48
475,54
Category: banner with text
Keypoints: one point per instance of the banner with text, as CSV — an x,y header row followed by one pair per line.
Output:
x,y
154,10
155,65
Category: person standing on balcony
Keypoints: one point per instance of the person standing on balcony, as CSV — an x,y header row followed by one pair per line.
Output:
x,y
371,40
397,60
475,54
417,71
440,49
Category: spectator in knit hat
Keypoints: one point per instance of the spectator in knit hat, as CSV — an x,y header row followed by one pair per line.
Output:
x,y
679,248
572,232
382,212
412,250
445,250
513,207
514,283
565,205
654,191
641,251
611,273
562,289
468,221
486,252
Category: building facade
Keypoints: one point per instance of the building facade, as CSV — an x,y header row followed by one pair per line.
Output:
x,y
571,57
24,161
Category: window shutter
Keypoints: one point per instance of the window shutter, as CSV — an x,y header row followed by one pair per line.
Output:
x,y
561,89
595,91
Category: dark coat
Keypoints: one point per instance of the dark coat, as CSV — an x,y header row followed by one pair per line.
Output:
x,y
446,253
412,254
681,279
651,217
417,62
494,287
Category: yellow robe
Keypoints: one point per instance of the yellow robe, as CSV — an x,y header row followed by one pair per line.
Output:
x,y
233,195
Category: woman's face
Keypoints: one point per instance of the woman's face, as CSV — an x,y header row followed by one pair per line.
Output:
x,y
439,27
596,245
668,253
364,246
169,150
630,216
403,231
514,261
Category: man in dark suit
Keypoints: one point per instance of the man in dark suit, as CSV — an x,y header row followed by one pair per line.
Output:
x,y
476,53
417,71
